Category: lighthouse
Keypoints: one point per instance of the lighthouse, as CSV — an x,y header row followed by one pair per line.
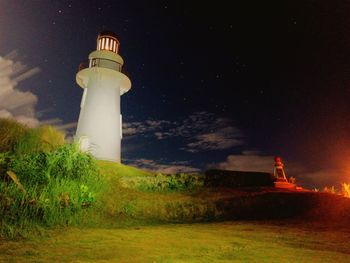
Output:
x,y
99,130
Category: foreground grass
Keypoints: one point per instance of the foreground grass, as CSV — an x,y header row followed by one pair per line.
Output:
x,y
118,170
209,242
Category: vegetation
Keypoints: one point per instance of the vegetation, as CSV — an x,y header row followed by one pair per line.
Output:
x,y
163,183
43,182
292,180
111,169
207,242
10,133
346,189
56,187
18,139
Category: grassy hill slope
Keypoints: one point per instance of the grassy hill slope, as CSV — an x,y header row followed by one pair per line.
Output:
x,y
119,170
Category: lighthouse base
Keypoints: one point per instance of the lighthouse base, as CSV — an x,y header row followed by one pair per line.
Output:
x,y
84,147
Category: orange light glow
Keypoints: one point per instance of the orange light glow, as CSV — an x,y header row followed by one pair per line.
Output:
x,y
103,44
114,44
107,42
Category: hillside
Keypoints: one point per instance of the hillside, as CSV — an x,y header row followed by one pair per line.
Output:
x,y
120,170
139,195
59,193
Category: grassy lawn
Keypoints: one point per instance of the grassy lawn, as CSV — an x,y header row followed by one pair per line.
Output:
x,y
204,242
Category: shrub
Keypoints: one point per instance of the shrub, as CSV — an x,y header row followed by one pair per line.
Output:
x,y
345,189
67,162
330,189
41,139
19,139
86,197
160,182
234,179
292,180
10,132
59,185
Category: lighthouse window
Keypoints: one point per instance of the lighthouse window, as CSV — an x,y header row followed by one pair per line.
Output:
x,y
105,63
107,42
114,44
103,44
94,62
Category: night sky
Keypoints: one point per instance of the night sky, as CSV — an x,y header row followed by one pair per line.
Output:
x,y
213,85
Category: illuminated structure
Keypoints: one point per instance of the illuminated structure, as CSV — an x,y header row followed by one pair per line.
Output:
x,y
281,180
278,170
99,128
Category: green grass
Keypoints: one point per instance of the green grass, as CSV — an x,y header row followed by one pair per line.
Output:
x,y
18,139
10,133
210,242
120,170
124,212
59,188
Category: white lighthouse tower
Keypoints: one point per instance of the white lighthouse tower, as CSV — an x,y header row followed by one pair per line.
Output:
x,y
99,128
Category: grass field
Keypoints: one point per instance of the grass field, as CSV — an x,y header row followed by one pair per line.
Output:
x,y
280,241
58,204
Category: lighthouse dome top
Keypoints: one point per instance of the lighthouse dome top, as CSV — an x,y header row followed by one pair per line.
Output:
x,y
107,40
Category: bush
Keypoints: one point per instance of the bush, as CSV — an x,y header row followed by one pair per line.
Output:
x,y
160,182
329,189
345,189
19,139
67,162
236,179
292,180
59,185
10,132
41,139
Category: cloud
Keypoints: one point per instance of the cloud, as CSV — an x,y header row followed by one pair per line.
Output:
x,y
194,124
201,131
20,105
255,161
220,139
170,168
14,103
248,161
143,128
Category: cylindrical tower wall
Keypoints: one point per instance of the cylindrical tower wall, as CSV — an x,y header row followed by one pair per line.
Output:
x,y
99,120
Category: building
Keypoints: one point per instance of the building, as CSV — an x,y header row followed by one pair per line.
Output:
x,y
99,128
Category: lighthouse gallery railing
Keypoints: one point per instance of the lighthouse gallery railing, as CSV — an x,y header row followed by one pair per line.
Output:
x,y
102,63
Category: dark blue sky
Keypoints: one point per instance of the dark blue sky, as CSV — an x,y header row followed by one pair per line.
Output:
x,y
209,81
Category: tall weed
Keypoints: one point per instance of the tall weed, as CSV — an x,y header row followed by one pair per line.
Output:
x,y
41,139
10,132
59,186
164,183
345,189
